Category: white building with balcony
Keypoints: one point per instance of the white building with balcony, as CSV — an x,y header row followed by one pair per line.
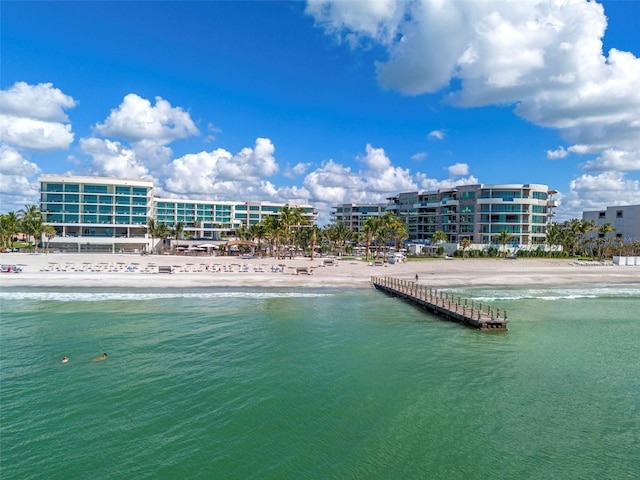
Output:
x,y
105,214
479,213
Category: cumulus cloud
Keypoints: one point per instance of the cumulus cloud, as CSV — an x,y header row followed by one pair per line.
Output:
x,y
32,117
612,159
593,192
136,119
458,170
42,102
16,187
298,169
436,134
560,152
219,172
32,134
545,58
112,159
419,156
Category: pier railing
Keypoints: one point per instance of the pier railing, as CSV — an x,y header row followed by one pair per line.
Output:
x,y
444,304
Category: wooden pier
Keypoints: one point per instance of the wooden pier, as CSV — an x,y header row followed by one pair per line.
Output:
x,y
444,304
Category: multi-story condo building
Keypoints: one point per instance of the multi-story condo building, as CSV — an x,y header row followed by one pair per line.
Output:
x,y
94,213
217,220
625,219
354,216
478,212
112,214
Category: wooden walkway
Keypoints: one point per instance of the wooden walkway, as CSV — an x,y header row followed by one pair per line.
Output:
x,y
443,304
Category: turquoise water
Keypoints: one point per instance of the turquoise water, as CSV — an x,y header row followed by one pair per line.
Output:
x,y
326,384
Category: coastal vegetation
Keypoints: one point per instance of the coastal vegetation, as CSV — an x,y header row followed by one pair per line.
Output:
x,y
289,232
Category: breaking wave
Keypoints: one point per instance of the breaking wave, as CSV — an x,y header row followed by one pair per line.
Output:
x,y
106,296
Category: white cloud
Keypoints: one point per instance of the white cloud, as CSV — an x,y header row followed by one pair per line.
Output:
x,y
32,134
545,57
437,134
16,187
13,164
419,156
595,192
112,159
298,169
612,159
374,18
560,152
33,117
136,119
429,184
458,170
220,173
41,102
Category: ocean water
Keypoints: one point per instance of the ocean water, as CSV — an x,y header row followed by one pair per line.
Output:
x,y
317,384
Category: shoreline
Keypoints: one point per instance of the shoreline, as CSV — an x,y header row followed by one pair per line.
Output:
x,y
133,271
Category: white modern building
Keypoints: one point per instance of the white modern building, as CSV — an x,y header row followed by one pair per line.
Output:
x,y
111,214
624,219
477,212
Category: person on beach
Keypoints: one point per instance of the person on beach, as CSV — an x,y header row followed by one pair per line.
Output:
x,y
100,359
65,359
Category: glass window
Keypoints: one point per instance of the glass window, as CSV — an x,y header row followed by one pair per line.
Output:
x,y
139,191
53,187
95,189
90,199
123,190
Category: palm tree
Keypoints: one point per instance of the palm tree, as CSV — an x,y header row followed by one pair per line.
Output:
x,y
370,232
152,228
258,231
503,238
49,232
178,230
554,236
315,232
603,230
584,227
31,219
9,225
163,232
390,228
340,234
464,244
272,232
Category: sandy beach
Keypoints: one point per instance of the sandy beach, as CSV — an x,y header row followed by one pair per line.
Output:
x,y
135,271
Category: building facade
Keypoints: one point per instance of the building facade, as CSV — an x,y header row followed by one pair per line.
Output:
x,y
219,220
95,213
477,212
354,216
625,219
111,214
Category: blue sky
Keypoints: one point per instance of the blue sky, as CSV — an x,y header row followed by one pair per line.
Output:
x,y
323,102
